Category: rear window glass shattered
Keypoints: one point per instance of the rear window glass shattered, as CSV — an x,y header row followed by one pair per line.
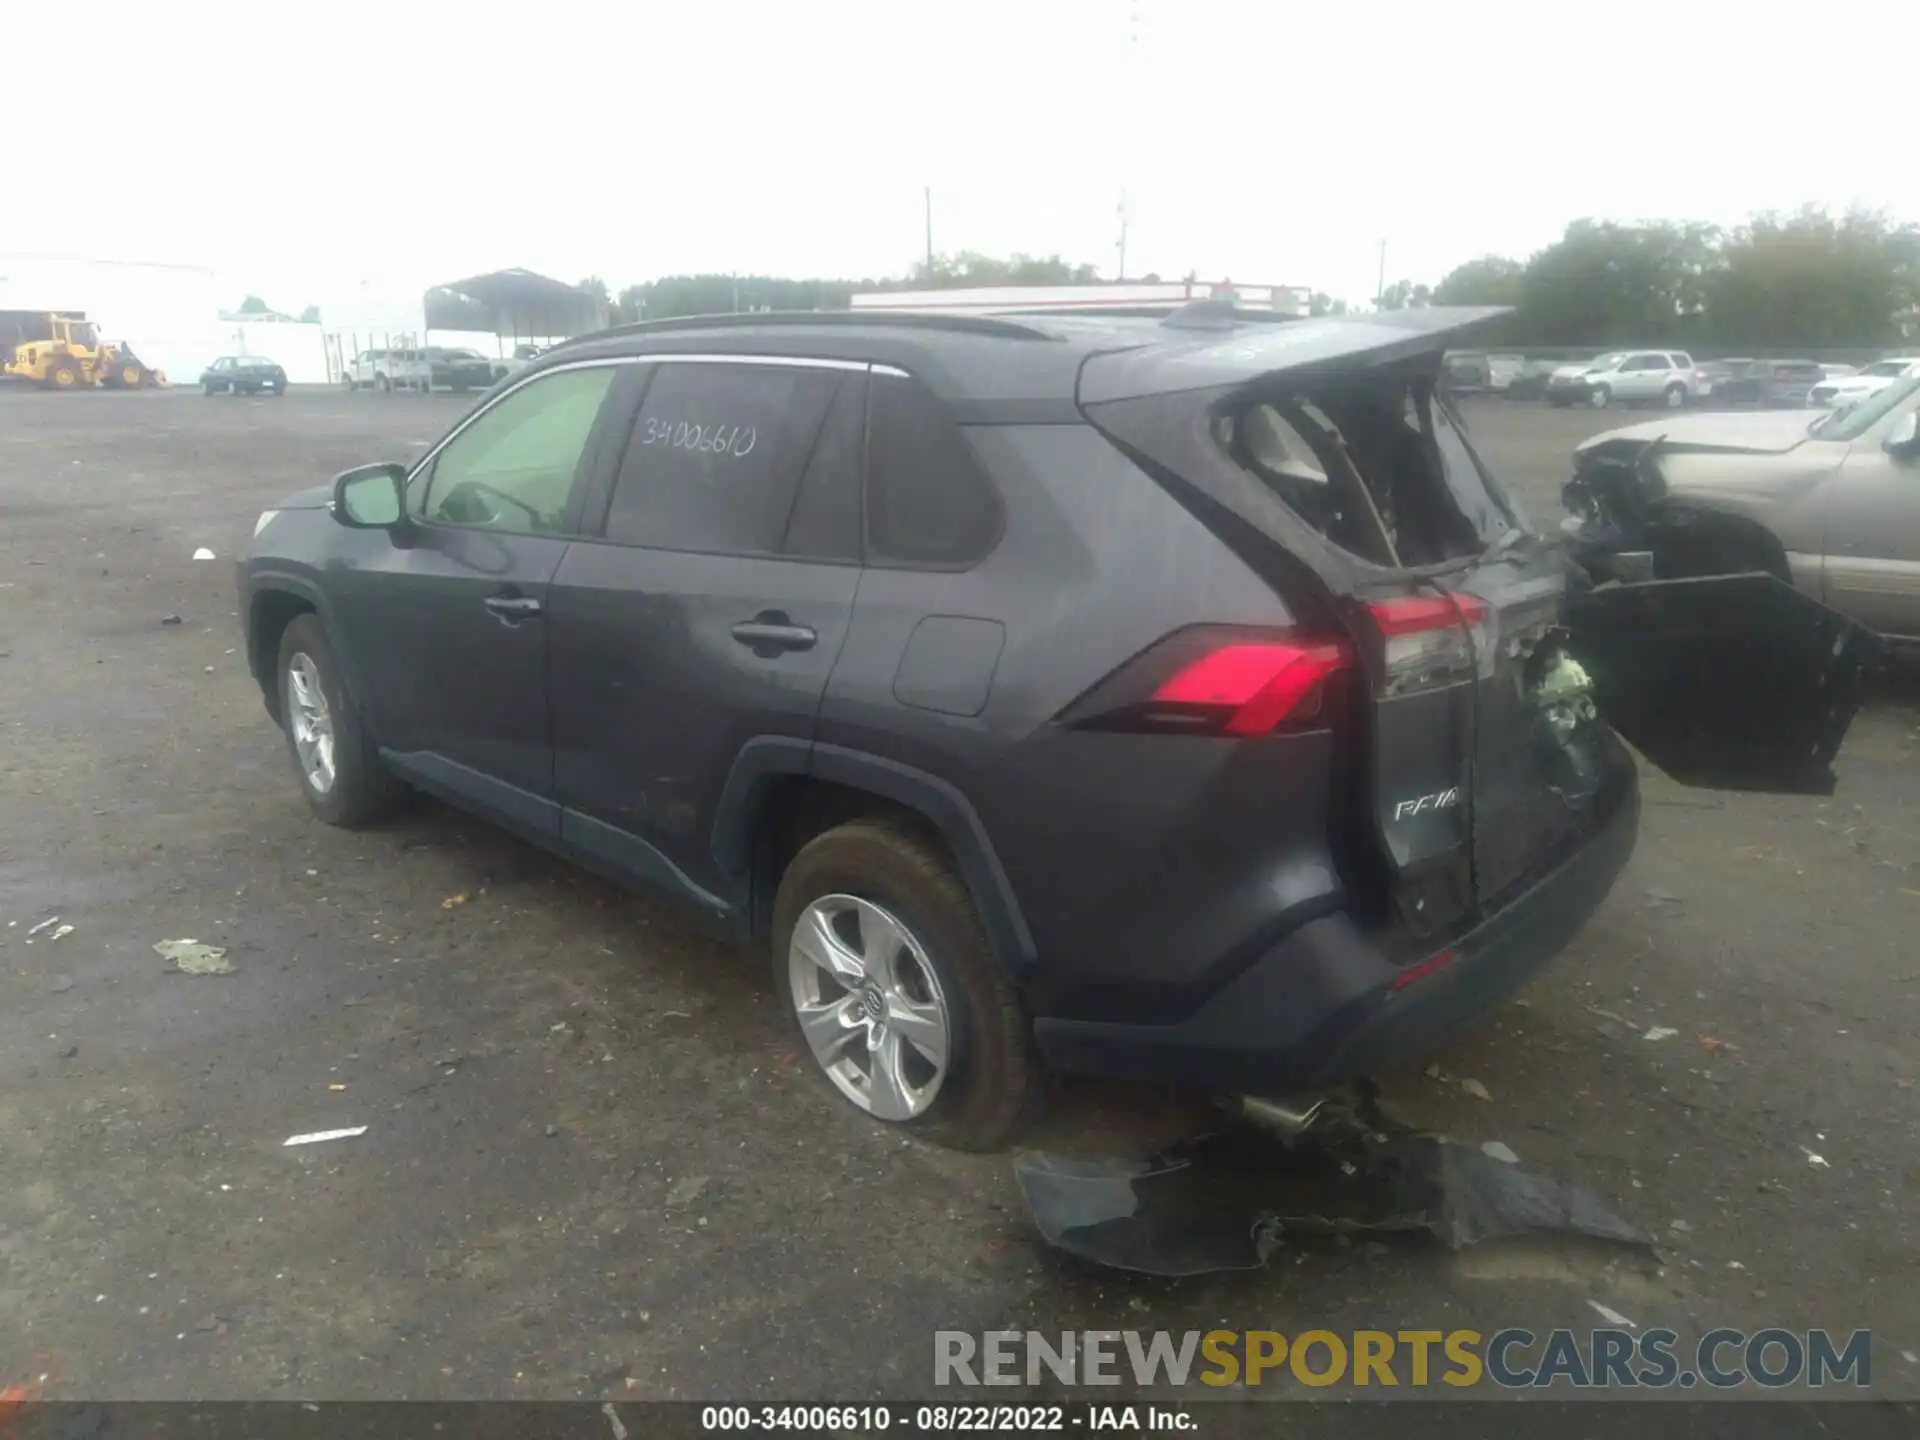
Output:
x,y
1377,465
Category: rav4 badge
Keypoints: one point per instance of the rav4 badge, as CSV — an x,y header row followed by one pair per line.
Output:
x,y
1425,804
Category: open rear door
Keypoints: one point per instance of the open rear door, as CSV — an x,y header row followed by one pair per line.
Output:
x,y
1731,682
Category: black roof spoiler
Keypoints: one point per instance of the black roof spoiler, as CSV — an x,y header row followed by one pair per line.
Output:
x,y
1209,356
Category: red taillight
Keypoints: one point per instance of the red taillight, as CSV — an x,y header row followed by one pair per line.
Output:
x,y
1420,969
1258,685
1429,640
1426,612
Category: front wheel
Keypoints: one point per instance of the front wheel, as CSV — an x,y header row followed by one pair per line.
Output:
x,y
383,385
339,768
880,959
1599,397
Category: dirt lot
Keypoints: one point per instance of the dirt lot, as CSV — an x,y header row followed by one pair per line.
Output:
x,y
593,1165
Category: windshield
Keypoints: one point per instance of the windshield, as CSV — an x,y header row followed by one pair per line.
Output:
x,y
1608,361
1885,367
1852,421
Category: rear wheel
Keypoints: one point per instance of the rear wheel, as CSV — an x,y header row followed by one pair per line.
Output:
x,y
880,959
1676,396
339,768
1599,397
383,384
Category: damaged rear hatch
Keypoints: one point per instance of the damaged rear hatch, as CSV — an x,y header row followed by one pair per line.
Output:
x,y
1483,660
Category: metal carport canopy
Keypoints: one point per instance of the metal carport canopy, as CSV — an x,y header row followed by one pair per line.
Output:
x,y
514,302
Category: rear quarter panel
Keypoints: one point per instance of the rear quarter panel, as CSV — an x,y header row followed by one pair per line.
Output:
x,y
1124,852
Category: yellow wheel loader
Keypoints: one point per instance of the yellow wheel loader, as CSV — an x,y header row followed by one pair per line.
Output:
x,y
64,351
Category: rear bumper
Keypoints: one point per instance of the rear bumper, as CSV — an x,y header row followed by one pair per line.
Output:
x,y
1318,1009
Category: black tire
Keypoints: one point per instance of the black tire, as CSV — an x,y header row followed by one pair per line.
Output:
x,y
1676,396
993,1079
207,389
352,384
1599,397
363,790
383,384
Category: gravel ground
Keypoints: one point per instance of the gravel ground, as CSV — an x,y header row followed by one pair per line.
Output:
x,y
593,1165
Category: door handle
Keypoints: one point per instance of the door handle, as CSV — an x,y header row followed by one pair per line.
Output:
x,y
513,607
769,634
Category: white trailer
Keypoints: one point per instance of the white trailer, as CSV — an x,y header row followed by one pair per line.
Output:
x,y
1005,299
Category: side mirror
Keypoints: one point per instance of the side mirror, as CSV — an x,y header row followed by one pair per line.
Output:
x,y
371,497
1903,441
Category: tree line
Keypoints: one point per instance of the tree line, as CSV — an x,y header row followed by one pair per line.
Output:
x,y
1810,280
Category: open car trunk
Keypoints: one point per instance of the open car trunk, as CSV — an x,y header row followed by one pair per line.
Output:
x,y
1492,674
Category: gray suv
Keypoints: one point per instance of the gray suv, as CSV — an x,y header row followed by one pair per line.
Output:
x,y
1175,698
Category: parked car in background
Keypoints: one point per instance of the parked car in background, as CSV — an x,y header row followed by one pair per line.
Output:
x,y
1833,506
768,613
1501,370
1529,382
1650,377
1766,384
389,370
1466,372
523,355
458,370
1866,381
243,375
1835,372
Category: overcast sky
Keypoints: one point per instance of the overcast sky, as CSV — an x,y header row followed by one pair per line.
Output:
x,y
300,148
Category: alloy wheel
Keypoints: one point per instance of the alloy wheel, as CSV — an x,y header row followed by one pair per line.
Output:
x,y
870,1005
312,722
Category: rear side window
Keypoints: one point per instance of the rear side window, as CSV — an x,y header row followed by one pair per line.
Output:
x,y
928,502
718,453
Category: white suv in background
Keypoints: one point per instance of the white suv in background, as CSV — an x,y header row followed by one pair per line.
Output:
x,y
390,370
1868,380
1658,377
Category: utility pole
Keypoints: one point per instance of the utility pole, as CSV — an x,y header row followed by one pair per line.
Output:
x,y
1122,275
1380,289
928,194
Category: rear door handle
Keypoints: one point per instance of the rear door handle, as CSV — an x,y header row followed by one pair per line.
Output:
x,y
768,635
513,607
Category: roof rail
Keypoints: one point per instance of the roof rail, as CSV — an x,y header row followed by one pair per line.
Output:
x,y
1005,329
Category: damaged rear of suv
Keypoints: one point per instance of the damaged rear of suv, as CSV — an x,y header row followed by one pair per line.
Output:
x,y
1472,679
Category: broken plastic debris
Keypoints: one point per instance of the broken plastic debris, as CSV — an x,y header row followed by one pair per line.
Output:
x,y
320,1136
1224,1201
203,554
1660,1032
613,1419
1818,1162
1711,1043
46,924
453,901
190,957
1611,1316
1495,1150
1475,1089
